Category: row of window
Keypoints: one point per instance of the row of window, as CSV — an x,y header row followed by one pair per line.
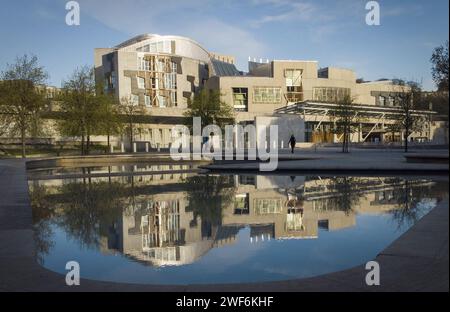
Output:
x,y
267,95
330,94
164,46
170,82
156,65
387,101
160,100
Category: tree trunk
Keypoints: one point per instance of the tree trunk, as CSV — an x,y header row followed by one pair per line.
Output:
x,y
82,144
22,138
109,144
131,136
406,140
88,143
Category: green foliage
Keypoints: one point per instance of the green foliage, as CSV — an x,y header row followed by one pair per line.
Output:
x,y
86,110
21,104
212,110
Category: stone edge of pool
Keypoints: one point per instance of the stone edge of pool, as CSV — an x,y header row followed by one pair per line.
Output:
x,y
417,261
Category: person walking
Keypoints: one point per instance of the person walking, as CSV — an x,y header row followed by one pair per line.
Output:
x,y
292,142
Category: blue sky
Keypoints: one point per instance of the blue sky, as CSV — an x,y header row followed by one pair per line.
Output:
x,y
332,32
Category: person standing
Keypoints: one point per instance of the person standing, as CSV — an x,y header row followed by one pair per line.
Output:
x,y
292,142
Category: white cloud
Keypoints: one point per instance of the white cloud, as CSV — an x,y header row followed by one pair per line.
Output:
x,y
185,18
289,11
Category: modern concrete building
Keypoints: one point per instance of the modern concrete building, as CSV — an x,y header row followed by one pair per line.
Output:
x,y
161,73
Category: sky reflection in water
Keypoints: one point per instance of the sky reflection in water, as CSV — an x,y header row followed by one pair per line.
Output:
x,y
183,228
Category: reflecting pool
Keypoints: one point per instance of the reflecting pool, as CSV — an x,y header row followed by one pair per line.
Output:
x,y
169,225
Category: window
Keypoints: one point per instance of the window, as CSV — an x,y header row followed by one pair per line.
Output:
x,y
141,82
171,81
173,98
155,84
267,95
134,99
241,204
148,101
293,77
240,99
157,47
390,101
330,94
382,100
265,206
143,64
162,101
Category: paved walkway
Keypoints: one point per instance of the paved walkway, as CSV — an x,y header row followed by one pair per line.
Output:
x,y
330,159
417,261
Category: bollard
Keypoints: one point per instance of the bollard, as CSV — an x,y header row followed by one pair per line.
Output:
x,y
146,147
122,147
159,147
282,144
134,147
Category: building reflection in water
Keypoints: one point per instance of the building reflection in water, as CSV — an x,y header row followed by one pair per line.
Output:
x,y
173,219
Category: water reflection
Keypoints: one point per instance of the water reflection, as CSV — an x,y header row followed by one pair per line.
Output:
x,y
173,219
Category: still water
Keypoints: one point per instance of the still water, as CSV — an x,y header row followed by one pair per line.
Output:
x,y
168,225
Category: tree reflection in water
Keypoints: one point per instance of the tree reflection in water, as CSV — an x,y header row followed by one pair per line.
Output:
x,y
347,193
43,210
91,210
207,195
85,210
412,200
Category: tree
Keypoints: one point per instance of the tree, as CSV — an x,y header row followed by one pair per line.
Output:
x,y
346,121
212,110
439,70
109,113
131,110
408,96
80,107
19,97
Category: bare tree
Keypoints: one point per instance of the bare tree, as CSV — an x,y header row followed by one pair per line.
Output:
x,y
346,121
407,97
19,98
439,71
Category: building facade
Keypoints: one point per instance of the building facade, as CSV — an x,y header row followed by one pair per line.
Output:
x,y
161,73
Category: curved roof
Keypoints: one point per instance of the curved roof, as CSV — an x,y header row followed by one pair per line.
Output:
x,y
184,46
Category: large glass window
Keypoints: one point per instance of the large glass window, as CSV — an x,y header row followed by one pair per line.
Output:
x,y
134,99
171,81
264,206
267,95
293,77
143,64
173,98
156,47
241,204
148,101
141,82
240,99
330,94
